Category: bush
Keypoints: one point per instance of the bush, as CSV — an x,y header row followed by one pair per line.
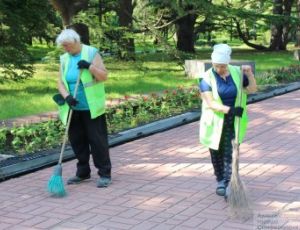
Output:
x,y
144,109
31,137
280,75
127,114
3,133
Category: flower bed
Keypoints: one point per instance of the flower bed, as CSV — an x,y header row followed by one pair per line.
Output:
x,y
129,113
144,109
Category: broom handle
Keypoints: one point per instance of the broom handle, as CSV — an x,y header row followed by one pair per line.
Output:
x,y
68,122
238,121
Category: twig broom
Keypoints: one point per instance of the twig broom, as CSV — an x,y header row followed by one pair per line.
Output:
x,y
236,191
55,184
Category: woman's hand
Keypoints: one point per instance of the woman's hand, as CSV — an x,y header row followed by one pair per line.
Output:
x,y
252,87
71,100
247,70
82,64
212,104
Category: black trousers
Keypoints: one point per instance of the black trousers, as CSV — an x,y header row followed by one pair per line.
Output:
x,y
222,158
89,136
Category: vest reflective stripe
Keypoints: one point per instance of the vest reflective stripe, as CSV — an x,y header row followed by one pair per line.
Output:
x,y
94,90
211,122
89,84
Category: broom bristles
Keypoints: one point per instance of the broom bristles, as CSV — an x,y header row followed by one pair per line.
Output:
x,y
239,203
237,197
55,184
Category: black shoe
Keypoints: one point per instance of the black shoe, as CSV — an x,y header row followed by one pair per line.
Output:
x,y
103,182
77,179
221,188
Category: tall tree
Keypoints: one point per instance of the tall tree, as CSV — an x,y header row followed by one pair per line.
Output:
x,y
298,26
111,25
126,42
68,9
245,13
280,29
185,29
18,24
183,15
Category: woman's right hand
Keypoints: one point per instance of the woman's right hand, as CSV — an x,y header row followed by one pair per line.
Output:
x,y
236,111
71,100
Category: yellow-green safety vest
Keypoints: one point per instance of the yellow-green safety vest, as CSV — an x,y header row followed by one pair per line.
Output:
x,y
211,122
94,90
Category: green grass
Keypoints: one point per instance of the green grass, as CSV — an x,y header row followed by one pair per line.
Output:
x,y
267,60
39,51
149,73
30,97
143,76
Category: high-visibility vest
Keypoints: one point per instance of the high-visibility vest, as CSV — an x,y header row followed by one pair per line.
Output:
x,y
211,122
94,90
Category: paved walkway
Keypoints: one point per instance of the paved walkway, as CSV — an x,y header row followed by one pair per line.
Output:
x,y
166,181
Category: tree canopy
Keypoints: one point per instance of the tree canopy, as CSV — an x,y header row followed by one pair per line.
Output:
x,y
20,22
115,25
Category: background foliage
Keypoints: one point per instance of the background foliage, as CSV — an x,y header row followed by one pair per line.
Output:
x,y
121,27
144,44
129,113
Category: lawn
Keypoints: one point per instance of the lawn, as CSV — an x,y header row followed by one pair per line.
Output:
x,y
150,72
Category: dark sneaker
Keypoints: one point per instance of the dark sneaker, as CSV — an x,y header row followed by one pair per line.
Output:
x,y
77,180
103,182
221,188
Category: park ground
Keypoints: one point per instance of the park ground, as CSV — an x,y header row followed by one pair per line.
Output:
x,y
166,181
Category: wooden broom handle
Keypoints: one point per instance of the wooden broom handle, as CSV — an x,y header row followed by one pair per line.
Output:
x,y
69,121
236,152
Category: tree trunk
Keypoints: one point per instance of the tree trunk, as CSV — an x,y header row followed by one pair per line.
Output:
x,y
280,30
83,32
298,27
287,7
125,12
68,8
276,29
185,33
100,11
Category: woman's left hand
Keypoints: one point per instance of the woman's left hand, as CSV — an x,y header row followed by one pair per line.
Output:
x,y
82,64
247,70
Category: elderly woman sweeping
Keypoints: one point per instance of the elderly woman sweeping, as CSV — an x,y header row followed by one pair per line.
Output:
x,y
219,88
81,86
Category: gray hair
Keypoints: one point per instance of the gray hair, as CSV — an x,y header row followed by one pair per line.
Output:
x,y
67,35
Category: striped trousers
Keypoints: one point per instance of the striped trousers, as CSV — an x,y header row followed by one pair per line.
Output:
x,y
222,158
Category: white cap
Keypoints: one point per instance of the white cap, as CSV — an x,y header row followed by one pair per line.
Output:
x,y
221,54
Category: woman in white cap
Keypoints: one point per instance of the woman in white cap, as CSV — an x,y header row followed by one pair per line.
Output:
x,y
219,88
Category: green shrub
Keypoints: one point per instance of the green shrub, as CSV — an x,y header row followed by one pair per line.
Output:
x,y
144,109
280,75
3,134
32,137
127,114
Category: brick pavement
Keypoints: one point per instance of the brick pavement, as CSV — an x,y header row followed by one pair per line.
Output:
x,y
165,181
